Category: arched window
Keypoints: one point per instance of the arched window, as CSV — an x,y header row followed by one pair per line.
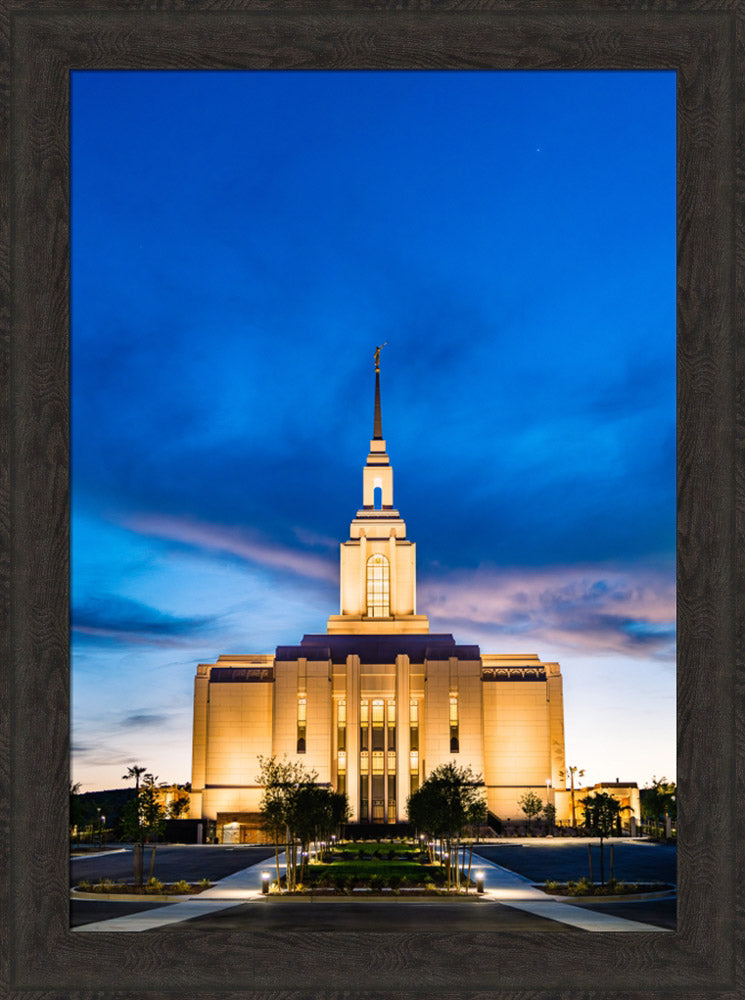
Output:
x,y
378,587
378,497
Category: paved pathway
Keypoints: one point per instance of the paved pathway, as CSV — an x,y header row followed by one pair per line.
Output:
x,y
513,890
501,886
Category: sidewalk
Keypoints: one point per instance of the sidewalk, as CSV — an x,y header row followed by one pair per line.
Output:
x,y
503,886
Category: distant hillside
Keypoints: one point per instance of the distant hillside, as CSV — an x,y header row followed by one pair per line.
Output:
x,y
109,801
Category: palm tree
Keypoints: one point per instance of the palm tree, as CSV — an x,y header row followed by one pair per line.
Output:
x,y
570,772
134,772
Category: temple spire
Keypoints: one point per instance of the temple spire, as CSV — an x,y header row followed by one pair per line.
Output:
x,y
378,421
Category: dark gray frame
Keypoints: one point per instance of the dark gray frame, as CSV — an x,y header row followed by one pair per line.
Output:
x,y
47,38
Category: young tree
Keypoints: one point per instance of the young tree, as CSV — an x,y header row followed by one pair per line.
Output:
x,y
531,805
549,811
659,801
603,818
445,806
296,810
143,820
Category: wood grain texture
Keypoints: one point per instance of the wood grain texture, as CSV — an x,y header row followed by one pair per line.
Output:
x,y
698,40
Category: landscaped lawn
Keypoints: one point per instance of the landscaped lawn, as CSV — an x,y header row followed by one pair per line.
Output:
x,y
376,866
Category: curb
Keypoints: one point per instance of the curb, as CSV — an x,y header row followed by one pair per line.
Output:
x,y
131,897
620,898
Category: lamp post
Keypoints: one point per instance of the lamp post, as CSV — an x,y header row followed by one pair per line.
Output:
x,y
479,882
265,877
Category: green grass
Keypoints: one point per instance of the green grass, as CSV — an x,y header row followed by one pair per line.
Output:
x,y
368,869
342,867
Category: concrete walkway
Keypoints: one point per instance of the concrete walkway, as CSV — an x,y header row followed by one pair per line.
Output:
x,y
509,889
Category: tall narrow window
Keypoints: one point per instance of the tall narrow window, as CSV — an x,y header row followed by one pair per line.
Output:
x,y
414,724
341,725
364,720
301,733
341,771
391,714
454,741
378,733
378,587
378,497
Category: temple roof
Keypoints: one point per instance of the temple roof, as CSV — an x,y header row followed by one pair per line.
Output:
x,y
378,648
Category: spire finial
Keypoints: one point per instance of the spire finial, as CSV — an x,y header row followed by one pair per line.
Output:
x,y
377,356
377,421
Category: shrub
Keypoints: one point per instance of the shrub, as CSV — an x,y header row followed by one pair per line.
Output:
x,y
376,883
550,885
584,887
154,886
394,881
204,883
181,886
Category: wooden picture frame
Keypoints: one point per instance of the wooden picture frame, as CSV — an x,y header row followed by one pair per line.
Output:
x,y
44,42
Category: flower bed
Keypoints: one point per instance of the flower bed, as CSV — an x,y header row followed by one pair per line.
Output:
x,y
583,887
151,888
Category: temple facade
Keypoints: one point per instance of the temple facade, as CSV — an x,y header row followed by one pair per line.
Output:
x,y
377,701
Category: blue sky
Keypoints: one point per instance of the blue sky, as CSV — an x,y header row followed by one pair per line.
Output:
x,y
241,242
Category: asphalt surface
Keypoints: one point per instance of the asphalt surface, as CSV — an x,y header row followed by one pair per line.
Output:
x,y
535,861
634,861
378,917
172,862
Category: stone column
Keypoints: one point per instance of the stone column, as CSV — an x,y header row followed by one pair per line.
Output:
x,y
403,689
353,736
363,574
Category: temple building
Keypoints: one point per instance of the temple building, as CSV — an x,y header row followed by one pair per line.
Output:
x,y
377,701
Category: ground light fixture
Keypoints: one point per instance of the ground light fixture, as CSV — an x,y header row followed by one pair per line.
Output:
x,y
265,877
479,881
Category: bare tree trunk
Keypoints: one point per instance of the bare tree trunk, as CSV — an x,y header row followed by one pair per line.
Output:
x,y
589,859
152,861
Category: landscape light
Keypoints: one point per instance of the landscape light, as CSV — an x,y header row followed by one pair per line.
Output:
x,y
265,876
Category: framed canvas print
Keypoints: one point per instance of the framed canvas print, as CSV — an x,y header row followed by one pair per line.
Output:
x,y
300,251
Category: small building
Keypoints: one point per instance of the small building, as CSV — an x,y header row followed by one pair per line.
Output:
x,y
626,792
377,701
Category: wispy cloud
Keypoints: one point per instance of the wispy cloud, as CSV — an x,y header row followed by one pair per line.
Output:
x,y
234,542
583,608
139,720
120,619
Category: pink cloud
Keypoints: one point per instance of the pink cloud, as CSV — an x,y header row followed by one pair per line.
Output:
x,y
234,542
587,608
